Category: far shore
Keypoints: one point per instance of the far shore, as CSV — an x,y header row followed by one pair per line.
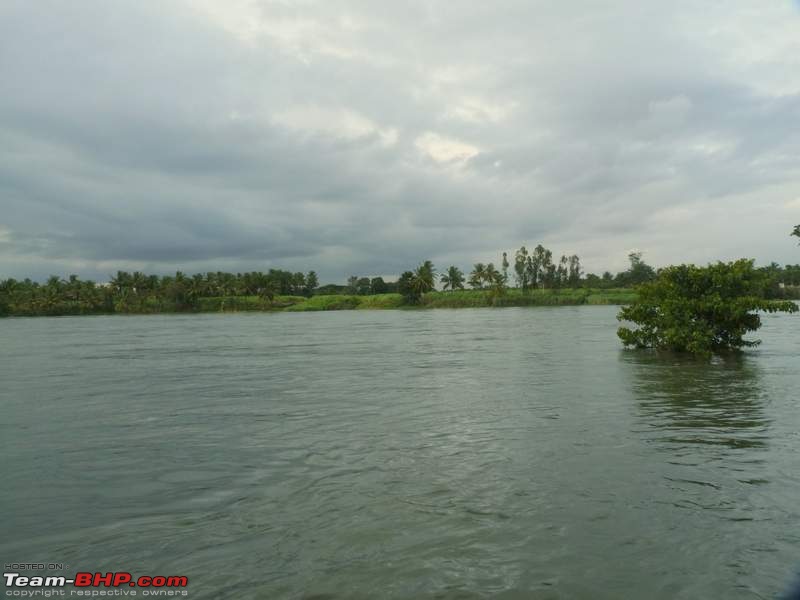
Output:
x,y
282,303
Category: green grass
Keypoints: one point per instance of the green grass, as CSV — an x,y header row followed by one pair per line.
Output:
x,y
379,301
334,302
515,297
456,299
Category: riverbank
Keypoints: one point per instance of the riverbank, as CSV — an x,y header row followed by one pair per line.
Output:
x,y
146,304
456,299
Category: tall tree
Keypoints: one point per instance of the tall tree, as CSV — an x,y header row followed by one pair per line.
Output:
x,y
574,275
406,289
477,276
298,283
496,282
424,279
363,287
638,273
378,286
491,274
541,267
521,268
562,271
453,279
796,231
312,283
504,265
352,284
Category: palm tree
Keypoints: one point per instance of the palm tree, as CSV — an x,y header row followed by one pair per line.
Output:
x,y
121,282
453,279
478,276
139,283
490,274
796,231
428,268
423,279
496,281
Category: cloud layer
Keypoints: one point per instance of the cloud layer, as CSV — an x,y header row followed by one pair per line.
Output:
x,y
363,137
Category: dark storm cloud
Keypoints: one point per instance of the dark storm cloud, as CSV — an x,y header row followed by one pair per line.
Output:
x,y
360,137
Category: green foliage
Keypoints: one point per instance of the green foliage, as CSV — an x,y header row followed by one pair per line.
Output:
x,y
477,276
312,282
701,310
521,262
414,285
406,288
453,279
796,231
378,286
535,274
515,297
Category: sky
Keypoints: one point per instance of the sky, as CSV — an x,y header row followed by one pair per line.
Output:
x,y
362,137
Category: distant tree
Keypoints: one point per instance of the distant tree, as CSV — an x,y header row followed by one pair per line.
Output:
x,y
298,283
195,288
312,282
352,284
453,279
331,289
542,271
561,272
406,288
522,268
491,275
592,280
267,290
640,268
796,231
638,273
574,271
378,286
363,287
424,279
702,310
428,272
504,265
121,282
496,282
477,276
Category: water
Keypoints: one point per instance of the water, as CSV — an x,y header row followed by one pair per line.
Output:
x,y
510,453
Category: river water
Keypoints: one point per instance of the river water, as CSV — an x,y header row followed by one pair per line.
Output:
x,y
509,453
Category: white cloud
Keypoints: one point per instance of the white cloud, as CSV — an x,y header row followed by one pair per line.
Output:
x,y
335,122
443,149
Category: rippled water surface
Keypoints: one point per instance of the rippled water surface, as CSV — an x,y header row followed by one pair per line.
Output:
x,y
510,453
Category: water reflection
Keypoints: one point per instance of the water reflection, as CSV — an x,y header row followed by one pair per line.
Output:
x,y
684,401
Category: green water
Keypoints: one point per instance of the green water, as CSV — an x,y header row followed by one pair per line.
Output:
x,y
509,453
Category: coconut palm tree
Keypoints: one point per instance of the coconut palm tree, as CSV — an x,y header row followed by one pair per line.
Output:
x,y
491,274
478,276
453,279
423,280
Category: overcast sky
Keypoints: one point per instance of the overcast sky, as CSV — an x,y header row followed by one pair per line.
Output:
x,y
361,137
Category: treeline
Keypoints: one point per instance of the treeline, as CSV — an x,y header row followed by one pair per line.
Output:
x,y
534,269
140,293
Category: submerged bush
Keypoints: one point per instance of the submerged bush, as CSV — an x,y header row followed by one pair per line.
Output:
x,y
701,310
